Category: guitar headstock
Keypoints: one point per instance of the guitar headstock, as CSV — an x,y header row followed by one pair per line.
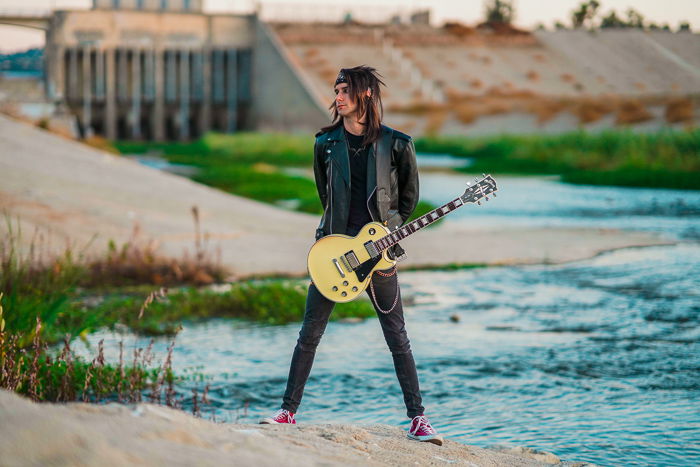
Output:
x,y
480,190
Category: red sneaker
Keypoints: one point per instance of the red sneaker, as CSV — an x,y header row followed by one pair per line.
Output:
x,y
281,416
421,430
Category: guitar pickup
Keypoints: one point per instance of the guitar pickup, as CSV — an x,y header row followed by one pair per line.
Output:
x,y
371,249
351,258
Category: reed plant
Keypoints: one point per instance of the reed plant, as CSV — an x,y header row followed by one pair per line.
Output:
x,y
39,284
63,377
268,301
669,159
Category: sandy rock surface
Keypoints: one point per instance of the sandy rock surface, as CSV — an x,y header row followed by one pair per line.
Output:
x,y
34,434
87,197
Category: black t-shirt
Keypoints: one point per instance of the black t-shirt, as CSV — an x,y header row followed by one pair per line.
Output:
x,y
358,154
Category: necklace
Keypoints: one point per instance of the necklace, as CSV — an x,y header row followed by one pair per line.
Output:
x,y
353,151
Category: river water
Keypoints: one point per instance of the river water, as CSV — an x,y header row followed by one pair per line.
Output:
x,y
597,360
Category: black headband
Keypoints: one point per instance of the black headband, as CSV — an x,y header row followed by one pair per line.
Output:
x,y
341,78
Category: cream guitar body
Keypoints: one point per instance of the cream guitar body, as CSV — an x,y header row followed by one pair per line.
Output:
x,y
341,266
331,260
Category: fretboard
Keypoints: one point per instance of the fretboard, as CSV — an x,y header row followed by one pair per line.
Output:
x,y
414,226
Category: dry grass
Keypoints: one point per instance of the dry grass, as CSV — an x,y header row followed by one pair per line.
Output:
x,y
476,83
465,112
545,109
312,52
679,110
100,143
592,110
632,111
435,121
139,262
467,108
532,75
540,58
567,78
416,107
328,74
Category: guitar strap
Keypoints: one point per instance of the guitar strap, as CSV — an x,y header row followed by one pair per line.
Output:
x,y
383,159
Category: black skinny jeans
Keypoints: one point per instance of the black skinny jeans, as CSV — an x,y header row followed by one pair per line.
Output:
x,y
318,310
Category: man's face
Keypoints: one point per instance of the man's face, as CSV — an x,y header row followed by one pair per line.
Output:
x,y
343,103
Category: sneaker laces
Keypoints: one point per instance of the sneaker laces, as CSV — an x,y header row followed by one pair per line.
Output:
x,y
422,422
283,412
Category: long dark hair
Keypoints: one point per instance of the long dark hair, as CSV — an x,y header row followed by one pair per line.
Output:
x,y
359,79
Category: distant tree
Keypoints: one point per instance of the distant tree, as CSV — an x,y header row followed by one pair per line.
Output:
x,y
558,25
684,26
499,11
666,27
585,14
612,21
540,27
635,19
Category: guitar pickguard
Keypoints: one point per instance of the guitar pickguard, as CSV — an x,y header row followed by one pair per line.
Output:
x,y
365,269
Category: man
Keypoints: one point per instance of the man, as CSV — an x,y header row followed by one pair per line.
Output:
x,y
364,171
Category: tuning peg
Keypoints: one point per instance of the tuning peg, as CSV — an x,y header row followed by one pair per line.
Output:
x,y
494,194
483,175
469,184
486,198
479,203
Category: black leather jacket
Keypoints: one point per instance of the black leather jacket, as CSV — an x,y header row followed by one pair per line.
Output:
x,y
392,179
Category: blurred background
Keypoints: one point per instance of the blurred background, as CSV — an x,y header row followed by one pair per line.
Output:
x,y
567,317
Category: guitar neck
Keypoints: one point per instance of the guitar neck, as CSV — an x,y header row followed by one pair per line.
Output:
x,y
414,226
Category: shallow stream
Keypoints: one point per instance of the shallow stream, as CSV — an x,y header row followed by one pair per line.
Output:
x,y
597,360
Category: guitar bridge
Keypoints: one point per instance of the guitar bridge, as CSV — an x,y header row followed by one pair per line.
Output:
x,y
345,263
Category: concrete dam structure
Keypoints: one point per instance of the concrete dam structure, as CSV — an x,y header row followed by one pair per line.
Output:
x,y
163,70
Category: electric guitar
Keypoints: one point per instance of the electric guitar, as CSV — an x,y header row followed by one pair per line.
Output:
x,y
341,266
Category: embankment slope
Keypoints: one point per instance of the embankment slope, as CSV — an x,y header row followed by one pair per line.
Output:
x,y
85,196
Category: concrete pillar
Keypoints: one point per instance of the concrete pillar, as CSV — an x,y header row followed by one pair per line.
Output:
x,y
54,70
135,111
205,107
60,85
231,91
158,122
184,95
123,82
99,74
73,74
170,76
87,91
110,94
148,75
218,71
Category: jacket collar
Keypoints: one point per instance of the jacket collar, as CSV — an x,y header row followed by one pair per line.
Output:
x,y
337,134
